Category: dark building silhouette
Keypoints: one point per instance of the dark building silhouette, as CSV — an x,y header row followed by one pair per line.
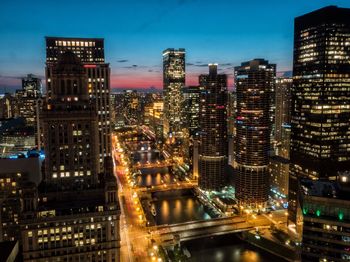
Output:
x,y
213,130
74,213
254,80
320,132
90,51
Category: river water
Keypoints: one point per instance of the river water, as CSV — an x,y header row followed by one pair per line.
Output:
x,y
179,206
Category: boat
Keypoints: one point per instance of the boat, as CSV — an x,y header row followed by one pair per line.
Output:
x,y
153,211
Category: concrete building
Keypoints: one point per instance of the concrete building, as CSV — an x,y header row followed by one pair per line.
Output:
x,y
173,81
320,132
254,80
325,208
74,213
213,145
90,51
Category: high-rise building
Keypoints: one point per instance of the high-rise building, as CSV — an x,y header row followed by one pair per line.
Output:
x,y
253,81
190,125
326,214
132,106
190,109
28,99
91,53
8,106
213,130
70,125
282,100
320,132
73,215
173,82
13,174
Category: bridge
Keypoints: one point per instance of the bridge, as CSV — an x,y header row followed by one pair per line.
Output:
x,y
165,187
155,164
206,228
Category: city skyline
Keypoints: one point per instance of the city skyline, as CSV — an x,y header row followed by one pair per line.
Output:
x,y
157,28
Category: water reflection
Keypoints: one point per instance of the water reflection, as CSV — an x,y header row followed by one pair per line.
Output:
x,y
179,210
225,248
154,179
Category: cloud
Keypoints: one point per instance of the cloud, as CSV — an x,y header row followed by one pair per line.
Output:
x,y
122,61
131,67
201,65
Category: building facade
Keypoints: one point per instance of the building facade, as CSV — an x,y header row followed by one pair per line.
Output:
x,y
90,51
326,219
73,215
213,146
253,82
283,104
173,81
320,132
28,99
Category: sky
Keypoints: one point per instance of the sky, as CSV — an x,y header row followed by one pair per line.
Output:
x,y
136,32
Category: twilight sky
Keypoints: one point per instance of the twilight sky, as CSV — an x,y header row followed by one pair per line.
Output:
x,y
136,31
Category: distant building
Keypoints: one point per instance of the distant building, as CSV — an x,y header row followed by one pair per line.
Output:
x,y
173,82
16,137
190,109
28,99
90,51
153,115
283,106
213,144
254,80
8,106
132,106
279,175
320,132
326,214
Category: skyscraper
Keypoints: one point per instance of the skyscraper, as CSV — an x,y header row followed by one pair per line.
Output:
x,y
91,53
213,130
27,99
173,82
325,206
320,133
190,109
73,215
283,100
253,81
70,125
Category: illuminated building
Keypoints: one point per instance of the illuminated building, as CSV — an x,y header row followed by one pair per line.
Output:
x,y
8,106
173,82
190,109
16,137
154,119
190,125
320,132
279,174
70,124
213,145
91,53
283,100
28,98
73,215
13,173
253,81
132,106
326,214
